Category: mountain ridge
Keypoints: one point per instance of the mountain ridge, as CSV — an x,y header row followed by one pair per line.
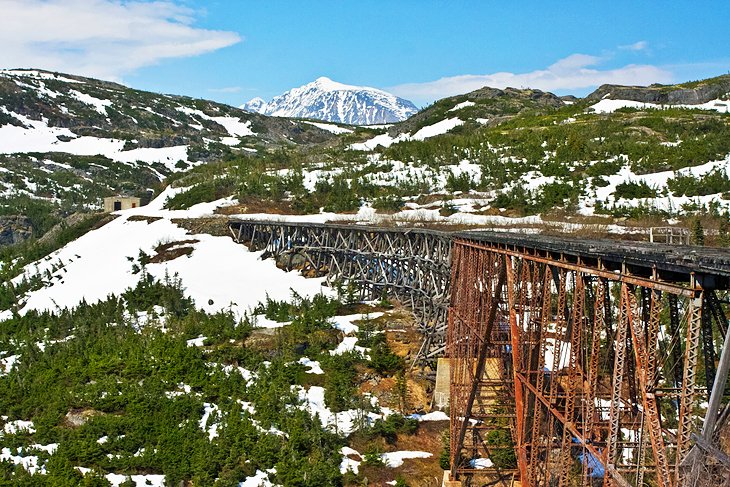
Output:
x,y
688,93
331,101
67,141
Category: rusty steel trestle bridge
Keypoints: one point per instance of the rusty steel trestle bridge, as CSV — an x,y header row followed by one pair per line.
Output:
x,y
573,362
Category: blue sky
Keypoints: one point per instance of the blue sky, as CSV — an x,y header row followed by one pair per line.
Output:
x,y
233,50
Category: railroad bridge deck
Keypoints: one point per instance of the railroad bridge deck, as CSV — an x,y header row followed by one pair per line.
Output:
x,y
573,362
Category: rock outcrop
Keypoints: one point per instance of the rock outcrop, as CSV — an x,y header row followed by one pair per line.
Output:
x,y
14,229
693,93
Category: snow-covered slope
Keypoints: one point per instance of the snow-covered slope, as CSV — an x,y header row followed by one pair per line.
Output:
x,y
324,99
219,274
609,105
70,140
50,112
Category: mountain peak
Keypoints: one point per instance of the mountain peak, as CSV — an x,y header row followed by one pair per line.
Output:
x,y
325,83
323,80
325,99
255,105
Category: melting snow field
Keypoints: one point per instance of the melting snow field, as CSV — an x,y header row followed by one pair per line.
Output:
x,y
219,275
37,136
426,132
390,459
610,106
329,127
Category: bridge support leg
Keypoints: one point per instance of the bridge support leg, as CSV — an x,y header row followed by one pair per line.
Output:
x,y
447,482
443,384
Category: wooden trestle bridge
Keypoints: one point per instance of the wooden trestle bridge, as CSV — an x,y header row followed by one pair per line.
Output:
x,y
573,362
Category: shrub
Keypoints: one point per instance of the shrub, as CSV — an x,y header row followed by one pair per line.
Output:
x,y
633,190
202,192
713,182
388,203
502,452
384,361
463,182
445,455
373,456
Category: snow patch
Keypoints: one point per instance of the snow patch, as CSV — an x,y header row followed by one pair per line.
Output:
x,y
385,140
395,459
434,416
312,365
206,423
461,105
335,129
344,422
609,106
8,363
220,275
261,479
95,103
438,128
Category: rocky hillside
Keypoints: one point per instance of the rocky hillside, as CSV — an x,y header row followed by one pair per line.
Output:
x,y
691,93
486,106
508,157
68,141
512,158
327,100
140,120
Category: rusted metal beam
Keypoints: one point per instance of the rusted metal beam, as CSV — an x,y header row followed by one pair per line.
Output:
x,y
584,353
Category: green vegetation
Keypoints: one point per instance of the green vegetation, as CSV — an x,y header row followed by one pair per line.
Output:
x,y
145,390
65,183
382,358
576,149
392,426
698,232
632,190
501,451
445,455
14,258
716,181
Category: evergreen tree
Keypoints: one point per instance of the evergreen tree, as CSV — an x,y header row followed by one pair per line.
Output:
x,y
698,232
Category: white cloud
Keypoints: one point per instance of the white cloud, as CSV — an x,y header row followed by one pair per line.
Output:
x,y
636,46
575,72
101,38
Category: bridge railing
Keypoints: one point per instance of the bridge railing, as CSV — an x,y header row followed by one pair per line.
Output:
x,y
669,235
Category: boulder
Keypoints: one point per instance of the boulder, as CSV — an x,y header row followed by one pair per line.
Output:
x,y
15,229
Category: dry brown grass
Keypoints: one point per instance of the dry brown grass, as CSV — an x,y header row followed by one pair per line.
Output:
x,y
258,205
172,250
418,472
143,218
217,226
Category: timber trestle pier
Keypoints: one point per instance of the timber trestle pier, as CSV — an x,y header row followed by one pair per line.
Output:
x,y
573,362
412,266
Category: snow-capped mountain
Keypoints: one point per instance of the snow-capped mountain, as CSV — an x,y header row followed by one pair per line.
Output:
x,y
324,99
255,105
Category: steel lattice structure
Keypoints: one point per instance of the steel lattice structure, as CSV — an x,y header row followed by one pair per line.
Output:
x,y
575,369
573,362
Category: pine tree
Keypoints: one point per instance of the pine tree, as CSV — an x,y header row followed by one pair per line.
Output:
x,y
445,456
698,232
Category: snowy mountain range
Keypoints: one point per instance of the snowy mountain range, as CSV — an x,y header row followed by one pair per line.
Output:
x,y
324,99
